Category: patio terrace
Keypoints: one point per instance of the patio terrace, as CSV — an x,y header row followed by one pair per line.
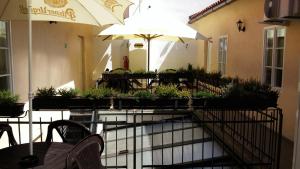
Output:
x,y
202,138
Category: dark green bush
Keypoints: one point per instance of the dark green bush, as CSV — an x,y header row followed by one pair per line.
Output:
x,y
46,92
203,94
98,93
185,94
6,97
68,93
167,91
143,94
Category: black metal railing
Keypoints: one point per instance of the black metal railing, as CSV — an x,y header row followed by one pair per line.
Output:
x,y
205,138
129,82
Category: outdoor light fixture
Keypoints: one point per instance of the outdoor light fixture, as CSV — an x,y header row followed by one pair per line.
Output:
x,y
52,22
241,26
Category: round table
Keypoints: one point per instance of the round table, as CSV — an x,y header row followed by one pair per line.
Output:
x,y
50,155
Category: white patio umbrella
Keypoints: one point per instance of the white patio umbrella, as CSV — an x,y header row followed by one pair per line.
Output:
x,y
93,12
147,26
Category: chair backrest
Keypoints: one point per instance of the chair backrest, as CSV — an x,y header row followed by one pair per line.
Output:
x,y
6,127
70,131
86,154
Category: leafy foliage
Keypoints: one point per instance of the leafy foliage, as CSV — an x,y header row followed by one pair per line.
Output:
x,y
68,92
251,88
46,92
120,71
184,94
6,97
203,94
143,94
98,93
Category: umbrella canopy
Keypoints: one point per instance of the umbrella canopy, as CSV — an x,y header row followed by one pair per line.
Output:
x,y
148,27
93,12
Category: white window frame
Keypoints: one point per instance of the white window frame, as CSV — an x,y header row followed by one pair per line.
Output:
x,y
8,48
226,55
274,53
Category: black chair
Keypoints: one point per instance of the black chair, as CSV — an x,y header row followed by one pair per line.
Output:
x,y
86,154
70,131
6,127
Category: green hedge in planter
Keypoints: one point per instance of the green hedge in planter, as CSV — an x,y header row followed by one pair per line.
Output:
x,y
101,97
170,97
142,74
9,106
250,94
165,97
67,98
95,98
201,99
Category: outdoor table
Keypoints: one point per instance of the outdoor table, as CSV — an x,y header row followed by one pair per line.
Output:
x,y
50,155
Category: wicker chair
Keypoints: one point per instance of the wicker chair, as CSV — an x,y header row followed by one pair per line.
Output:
x,y
6,127
86,154
70,131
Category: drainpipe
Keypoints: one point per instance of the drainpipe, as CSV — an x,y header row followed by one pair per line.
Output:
x,y
296,158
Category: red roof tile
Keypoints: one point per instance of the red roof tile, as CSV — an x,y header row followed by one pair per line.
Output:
x,y
208,10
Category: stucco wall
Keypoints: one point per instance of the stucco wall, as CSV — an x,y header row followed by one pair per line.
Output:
x,y
57,55
245,50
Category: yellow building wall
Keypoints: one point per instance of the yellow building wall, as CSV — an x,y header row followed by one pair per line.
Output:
x,y
62,53
245,50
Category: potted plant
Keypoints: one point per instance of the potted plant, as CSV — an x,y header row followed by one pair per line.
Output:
x,y
142,99
168,77
101,97
170,97
71,100
116,74
118,79
142,74
250,94
202,99
9,106
45,98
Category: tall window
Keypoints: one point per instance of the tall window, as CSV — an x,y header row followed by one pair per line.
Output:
x,y
222,55
273,56
5,72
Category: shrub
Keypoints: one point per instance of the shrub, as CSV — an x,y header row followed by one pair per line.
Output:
x,y
143,94
185,94
203,94
120,71
251,88
46,92
167,91
98,93
6,97
120,95
68,92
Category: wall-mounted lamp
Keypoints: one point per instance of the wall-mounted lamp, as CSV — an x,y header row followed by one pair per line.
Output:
x,y
241,26
52,22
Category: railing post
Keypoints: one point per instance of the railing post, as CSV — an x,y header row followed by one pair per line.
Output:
x,y
279,120
134,142
93,127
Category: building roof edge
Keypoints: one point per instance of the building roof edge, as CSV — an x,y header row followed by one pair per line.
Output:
x,y
211,8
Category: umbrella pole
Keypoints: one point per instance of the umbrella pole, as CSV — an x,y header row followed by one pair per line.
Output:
x,y
30,95
148,55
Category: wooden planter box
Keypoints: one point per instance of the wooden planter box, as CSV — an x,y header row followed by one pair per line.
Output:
x,y
13,110
58,102
142,76
233,103
108,76
103,103
154,103
198,102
